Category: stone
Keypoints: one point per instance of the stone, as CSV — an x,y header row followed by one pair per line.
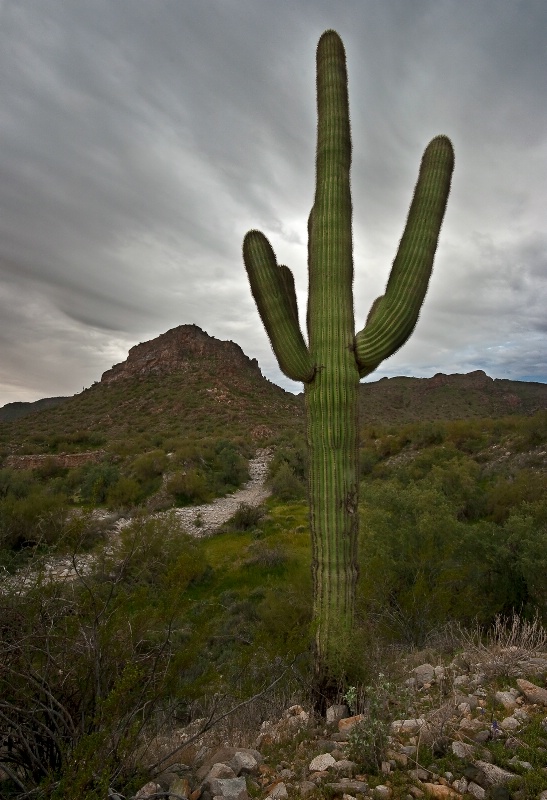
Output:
x,y
322,762
180,786
476,790
344,768
336,713
149,789
415,792
347,724
219,770
382,792
279,792
305,787
419,774
507,700
463,750
532,693
509,724
543,795
423,674
407,725
460,785
472,725
440,792
243,762
347,785
494,776
229,788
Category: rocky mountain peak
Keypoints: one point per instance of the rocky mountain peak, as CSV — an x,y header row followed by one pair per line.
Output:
x,y
176,351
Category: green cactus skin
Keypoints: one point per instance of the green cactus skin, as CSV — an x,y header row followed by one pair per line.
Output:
x,y
335,359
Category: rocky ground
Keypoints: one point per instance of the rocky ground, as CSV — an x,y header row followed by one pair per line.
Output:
x,y
478,729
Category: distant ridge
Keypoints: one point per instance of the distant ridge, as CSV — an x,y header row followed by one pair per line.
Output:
x,y
457,396
17,410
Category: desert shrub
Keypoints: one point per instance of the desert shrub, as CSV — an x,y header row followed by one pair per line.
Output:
x,y
85,669
189,487
246,517
228,467
285,485
508,494
125,493
96,482
38,518
149,466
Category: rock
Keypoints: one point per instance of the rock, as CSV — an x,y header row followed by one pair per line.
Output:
x,y
419,774
347,724
382,792
344,768
180,786
476,790
347,785
543,795
472,725
336,713
507,700
305,787
509,724
439,791
494,776
460,785
423,674
148,790
243,762
415,792
463,750
533,693
321,762
229,788
279,792
501,793
219,770
407,725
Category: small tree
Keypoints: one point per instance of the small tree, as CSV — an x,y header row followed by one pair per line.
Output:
x,y
335,358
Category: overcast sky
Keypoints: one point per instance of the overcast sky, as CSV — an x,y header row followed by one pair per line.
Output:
x,y
141,139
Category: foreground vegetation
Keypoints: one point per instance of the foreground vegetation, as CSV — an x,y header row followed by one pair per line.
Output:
x,y
453,530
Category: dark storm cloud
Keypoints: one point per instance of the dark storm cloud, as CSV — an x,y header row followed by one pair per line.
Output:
x,y
140,140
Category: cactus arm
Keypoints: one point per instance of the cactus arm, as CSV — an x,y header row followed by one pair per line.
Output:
x,y
393,316
273,290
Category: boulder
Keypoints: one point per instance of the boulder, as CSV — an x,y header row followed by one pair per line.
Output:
x,y
532,693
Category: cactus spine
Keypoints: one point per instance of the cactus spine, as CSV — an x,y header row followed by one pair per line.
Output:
x,y
336,358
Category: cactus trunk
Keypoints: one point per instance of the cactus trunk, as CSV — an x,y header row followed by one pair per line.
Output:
x,y
335,358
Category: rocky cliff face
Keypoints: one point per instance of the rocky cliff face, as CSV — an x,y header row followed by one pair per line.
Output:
x,y
179,350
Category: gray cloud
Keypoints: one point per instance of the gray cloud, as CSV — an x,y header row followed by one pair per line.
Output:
x,y
141,140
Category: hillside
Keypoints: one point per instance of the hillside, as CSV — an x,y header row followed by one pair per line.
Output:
x,y
183,384
187,384
402,400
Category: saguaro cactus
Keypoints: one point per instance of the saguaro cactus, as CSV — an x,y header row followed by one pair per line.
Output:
x,y
336,357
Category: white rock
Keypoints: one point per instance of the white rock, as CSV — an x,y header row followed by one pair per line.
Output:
x,y
509,724
279,792
460,785
322,762
476,790
507,700
462,750
382,792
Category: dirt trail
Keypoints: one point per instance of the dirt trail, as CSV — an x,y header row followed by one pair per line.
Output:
x,y
210,517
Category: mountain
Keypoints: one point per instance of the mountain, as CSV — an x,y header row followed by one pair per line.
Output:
x,y
186,384
17,410
402,400
183,384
